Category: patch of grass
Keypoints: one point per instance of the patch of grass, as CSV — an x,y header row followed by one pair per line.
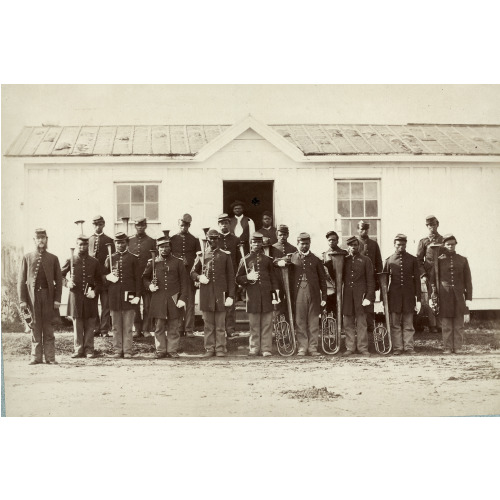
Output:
x,y
312,393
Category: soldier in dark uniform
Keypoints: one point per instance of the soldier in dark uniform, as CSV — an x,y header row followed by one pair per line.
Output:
x,y
84,283
279,250
169,291
268,230
229,242
455,294
124,293
141,245
262,294
39,287
308,284
333,247
404,288
99,250
359,292
240,225
214,271
425,258
370,249
185,246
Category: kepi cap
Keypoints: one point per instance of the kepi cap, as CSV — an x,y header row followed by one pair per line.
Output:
x,y
430,218
257,237
330,233
351,240
213,233
282,228
449,236
223,217
236,203
141,221
268,213
186,218
39,231
400,237
303,237
98,218
121,237
363,224
162,240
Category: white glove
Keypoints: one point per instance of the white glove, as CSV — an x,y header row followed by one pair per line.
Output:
x,y
425,280
330,291
366,302
153,288
90,294
180,303
253,276
70,283
468,303
281,263
466,318
203,279
418,307
135,300
323,303
111,277
229,302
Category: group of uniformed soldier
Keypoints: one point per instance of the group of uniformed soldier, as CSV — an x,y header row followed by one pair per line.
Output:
x,y
121,272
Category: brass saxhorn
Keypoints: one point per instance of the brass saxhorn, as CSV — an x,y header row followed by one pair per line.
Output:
x,y
434,298
382,334
331,327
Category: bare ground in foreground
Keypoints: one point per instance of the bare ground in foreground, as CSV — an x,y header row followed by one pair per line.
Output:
x,y
426,384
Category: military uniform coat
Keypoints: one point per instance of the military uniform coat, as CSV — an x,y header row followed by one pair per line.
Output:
x,y
219,270
270,233
404,282
260,293
313,268
425,255
230,242
370,249
27,277
455,284
185,247
359,284
99,250
172,282
129,274
86,271
278,250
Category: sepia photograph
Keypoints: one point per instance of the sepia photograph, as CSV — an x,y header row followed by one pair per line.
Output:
x,y
250,250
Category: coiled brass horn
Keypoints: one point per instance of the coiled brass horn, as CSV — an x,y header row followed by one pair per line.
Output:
x,y
434,302
382,334
331,326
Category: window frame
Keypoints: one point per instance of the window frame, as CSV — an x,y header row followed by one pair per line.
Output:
x,y
136,183
341,218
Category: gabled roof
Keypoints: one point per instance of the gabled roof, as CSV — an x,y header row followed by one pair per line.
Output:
x,y
300,142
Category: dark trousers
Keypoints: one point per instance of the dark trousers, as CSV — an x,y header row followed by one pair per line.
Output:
x,y
141,321
370,317
42,338
231,318
402,331
356,333
306,320
214,330
261,332
83,335
103,324
186,319
453,332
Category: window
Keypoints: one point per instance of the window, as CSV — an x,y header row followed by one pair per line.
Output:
x,y
137,200
358,200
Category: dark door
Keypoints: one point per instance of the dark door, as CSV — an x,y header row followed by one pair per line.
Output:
x,y
256,195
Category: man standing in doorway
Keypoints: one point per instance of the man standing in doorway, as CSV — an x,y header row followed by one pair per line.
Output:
x,y
185,246
370,248
359,292
268,230
309,289
425,258
98,250
39,287
229,243
240,225
141,245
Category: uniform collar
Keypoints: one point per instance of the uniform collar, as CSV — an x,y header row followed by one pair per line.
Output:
x,y
304,254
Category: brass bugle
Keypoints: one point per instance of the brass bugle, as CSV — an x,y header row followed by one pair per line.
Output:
x,y
80,222
435,248
110,255
153,257
382,334
242,251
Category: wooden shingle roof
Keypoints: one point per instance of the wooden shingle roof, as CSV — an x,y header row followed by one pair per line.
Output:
x,y
310,140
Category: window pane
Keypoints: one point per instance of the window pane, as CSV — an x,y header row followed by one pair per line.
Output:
x,y
345,228
343,243
123,210
371,208
152,211
354,227
123,194
137,194
343,190
343,208
152,193
371,190
357,208
357,190
136,211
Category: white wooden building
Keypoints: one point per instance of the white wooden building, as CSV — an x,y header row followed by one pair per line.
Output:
x,y
312,177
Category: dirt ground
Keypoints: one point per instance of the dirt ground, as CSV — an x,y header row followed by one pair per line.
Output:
x,y
426,384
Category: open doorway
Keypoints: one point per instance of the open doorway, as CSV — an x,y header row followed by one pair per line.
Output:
x,y
256,195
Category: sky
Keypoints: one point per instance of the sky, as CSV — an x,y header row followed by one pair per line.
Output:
x,y
27,105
